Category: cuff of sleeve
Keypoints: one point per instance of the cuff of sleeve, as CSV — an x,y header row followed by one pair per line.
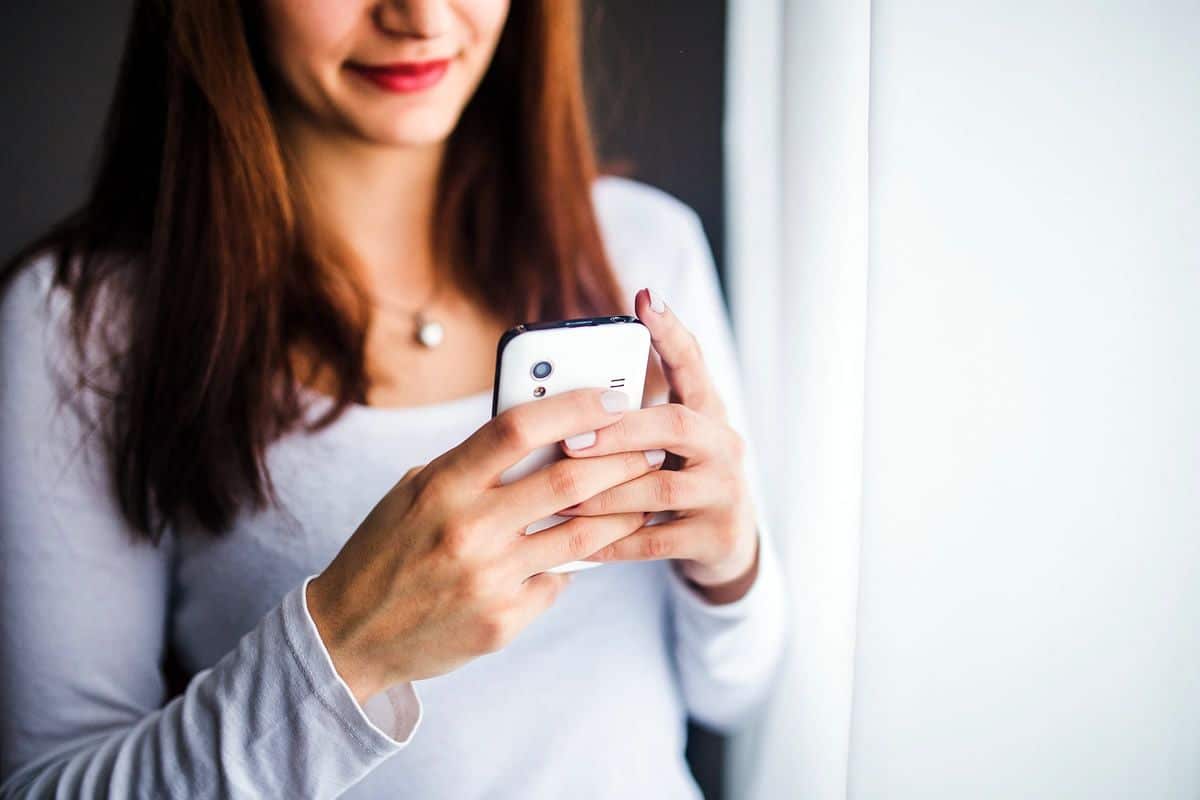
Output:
x,y
728,652
691,599
387,721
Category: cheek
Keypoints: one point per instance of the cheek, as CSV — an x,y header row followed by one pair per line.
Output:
x,y
307,38
484,21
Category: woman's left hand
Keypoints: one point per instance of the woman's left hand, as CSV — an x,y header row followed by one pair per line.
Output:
x,y
712,531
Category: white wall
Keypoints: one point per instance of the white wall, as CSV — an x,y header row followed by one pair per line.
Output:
x,y
1029,610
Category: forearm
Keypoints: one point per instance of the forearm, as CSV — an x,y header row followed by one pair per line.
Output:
x,y
270,719
728,651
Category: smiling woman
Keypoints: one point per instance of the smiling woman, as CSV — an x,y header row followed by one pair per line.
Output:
x,y
293,494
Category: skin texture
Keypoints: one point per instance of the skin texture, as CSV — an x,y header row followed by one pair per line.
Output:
x,y
440,571
312,43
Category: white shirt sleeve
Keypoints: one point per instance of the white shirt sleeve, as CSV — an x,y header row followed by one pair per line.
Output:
x,y
728,653
83,623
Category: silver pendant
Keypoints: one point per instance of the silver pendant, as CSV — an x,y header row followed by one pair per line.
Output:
x,y
429,332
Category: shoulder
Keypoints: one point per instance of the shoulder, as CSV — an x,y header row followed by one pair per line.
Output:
x,y
37,343
31,277
37,368
631,207
651,236
29,305
39,293
36,360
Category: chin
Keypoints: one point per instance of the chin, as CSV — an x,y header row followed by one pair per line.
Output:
x,y
413,129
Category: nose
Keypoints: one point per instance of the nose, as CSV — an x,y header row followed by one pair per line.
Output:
x,y
420,19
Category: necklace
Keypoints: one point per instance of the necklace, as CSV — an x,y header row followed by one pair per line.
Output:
x,y
426,331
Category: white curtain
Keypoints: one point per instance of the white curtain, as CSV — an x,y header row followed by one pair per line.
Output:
x,y
796,144
964,261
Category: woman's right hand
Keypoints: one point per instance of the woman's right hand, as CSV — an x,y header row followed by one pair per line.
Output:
x,y
439,572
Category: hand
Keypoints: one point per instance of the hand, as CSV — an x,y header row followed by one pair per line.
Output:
x,y
441,571
712,532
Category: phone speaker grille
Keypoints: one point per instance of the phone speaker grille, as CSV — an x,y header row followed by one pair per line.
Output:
x,y
616,383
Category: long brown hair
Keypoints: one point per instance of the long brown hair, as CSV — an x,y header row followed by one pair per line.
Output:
x,y
195,216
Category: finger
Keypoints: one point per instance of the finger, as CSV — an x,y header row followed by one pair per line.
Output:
x,y
674,539
564,483
679,350
662,490
511,435
572,540
538,592
668,426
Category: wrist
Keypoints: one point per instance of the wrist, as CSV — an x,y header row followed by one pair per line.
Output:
x,y
351,667
716,586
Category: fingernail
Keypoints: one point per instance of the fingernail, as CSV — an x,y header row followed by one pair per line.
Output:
x,y
580,440
657,305
656,457
614,401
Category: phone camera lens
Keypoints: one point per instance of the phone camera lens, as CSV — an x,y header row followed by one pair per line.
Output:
x,y
541,370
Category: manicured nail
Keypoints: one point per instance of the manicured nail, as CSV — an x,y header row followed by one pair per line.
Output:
x,y
580,440
657,305
656,457
614,401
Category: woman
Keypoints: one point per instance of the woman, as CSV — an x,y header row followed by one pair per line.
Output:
x,y
233,443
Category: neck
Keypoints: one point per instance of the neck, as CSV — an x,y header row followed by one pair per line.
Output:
x,y
376,201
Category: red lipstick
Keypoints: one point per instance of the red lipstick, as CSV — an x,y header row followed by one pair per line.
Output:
x,y
404,76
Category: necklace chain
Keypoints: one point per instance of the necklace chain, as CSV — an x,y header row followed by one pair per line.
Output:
x,y
428,332
433,293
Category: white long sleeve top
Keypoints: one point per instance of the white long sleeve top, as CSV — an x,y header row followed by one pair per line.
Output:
x,y
589,701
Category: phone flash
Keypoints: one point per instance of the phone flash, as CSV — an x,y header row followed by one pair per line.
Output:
x,y
538,391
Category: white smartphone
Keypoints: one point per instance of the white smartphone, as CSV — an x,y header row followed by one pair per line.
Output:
x,y
541,359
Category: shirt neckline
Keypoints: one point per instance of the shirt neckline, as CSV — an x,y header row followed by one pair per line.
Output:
x,y
362,411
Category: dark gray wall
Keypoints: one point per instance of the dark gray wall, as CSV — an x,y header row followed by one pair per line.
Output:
x,y
656,84
60,60
655,73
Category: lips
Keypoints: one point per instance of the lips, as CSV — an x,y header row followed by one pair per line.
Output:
x,y
404,76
